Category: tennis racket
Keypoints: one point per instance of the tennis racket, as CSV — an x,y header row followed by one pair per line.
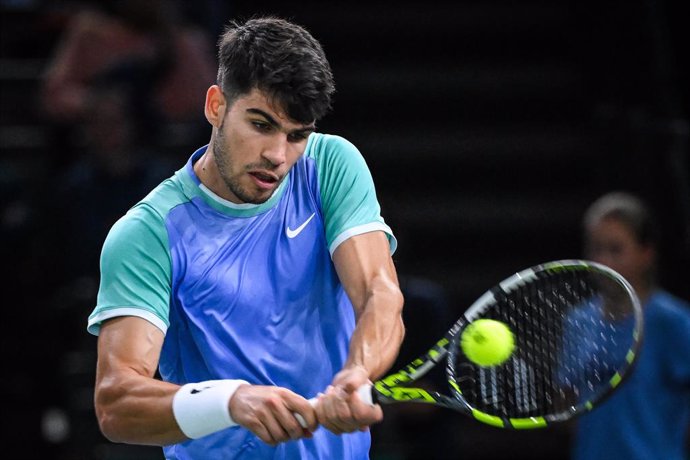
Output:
x,y
577,327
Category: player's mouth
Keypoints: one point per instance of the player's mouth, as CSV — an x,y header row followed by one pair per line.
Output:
x,y
264,180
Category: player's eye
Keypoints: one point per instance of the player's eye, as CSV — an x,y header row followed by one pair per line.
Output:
x,y
297,137
261,126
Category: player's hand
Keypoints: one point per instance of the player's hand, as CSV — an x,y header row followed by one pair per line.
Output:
x,y
268,412
341,410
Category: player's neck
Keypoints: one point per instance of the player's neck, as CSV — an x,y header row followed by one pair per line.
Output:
x,y
206,170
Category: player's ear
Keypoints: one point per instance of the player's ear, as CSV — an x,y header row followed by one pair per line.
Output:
x,y
215,106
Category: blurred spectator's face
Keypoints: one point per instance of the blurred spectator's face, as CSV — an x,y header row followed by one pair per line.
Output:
x,y
612,243
255,147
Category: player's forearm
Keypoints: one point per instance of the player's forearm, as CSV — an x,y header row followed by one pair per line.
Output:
x,y
135,409
376,340
367,272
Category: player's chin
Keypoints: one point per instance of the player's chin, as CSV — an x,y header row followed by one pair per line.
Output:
x,y
261,197
261,194
256,195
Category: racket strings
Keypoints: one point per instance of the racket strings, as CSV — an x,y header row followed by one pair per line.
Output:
x,y
569,344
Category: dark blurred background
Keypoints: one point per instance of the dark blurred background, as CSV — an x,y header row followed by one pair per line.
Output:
x,y
489,126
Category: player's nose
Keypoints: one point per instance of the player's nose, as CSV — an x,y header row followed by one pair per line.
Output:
x,y
276,151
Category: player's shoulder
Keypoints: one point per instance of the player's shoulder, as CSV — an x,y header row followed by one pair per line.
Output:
x,y
321,144
150,213
166,196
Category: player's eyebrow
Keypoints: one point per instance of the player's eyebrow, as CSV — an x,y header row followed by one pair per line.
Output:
x,y
272,121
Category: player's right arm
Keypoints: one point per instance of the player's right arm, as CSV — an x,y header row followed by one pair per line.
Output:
x,y
135,408
131,319
131,405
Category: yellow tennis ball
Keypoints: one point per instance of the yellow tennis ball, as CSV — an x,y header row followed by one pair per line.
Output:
x,y
487,342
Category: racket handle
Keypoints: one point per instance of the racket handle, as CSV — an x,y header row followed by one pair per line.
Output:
x,y
364,393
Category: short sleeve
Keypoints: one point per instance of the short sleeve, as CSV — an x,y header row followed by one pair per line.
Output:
x,y
135,271
347,191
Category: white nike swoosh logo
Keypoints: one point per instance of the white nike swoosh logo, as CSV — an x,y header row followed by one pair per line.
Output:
x,y
293,233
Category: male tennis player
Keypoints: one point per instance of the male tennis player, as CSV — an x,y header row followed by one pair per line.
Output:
x,y
258,275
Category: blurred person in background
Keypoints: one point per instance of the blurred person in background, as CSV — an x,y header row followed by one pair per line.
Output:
x,y
171,62
113,168
649,416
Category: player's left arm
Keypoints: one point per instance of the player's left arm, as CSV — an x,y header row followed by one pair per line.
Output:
x,y
367,272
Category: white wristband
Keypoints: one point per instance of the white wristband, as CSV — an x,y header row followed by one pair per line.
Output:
x,y
203,408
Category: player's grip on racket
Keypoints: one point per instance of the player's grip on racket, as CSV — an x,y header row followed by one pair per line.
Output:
x,y
364,393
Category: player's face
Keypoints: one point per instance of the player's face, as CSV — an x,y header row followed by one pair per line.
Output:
x,y
255,146
612,243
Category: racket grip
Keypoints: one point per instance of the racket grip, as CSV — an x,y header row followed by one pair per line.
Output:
x,y
364,393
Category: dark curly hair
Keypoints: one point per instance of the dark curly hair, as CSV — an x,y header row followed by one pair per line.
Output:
x,y
280,58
